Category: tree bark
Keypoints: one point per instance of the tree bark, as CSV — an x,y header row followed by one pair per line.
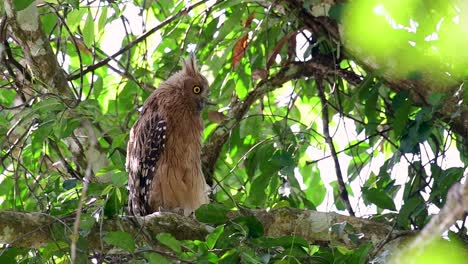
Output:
x,y
35,230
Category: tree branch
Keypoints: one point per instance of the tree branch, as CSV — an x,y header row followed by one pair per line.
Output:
x,y
35,230
329,140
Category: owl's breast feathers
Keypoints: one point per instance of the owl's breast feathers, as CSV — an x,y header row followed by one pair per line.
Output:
x,y
163,159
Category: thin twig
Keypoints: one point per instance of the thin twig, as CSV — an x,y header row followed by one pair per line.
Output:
x,y
76,225
329,140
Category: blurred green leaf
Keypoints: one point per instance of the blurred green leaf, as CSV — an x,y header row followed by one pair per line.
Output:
x,y
69,184
401,105
20,5
88,30
255,227
155,258
213,236
169,241
379,198
212,214
121,240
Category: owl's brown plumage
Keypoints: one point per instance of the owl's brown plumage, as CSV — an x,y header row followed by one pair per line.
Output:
x,y
163,152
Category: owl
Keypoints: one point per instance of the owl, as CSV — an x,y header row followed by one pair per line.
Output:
x,y
164,149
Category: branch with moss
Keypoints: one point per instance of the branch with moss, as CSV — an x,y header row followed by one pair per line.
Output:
x,y
35,230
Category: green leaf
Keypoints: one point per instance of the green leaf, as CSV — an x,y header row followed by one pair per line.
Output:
x,y
7,96
97,87
120,239
380,198
102,19
402,107
370,109
316,190
435,99
257,194
155,258
408,208
70,184
11,254
74,18
213,237
113,204
88,30
248,256
231,256
169,241
66,127
119,179
86,224
255,227
336,12
21,4
212,214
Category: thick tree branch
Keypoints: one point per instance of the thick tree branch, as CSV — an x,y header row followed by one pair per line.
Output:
x,y
34,230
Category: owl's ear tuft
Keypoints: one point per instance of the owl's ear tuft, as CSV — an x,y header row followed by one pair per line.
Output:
x,y
190,65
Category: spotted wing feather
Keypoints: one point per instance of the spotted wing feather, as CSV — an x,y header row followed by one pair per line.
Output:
x,y
145,147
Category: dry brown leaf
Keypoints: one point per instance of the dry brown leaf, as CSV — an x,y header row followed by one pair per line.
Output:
x,y
291,39
239,48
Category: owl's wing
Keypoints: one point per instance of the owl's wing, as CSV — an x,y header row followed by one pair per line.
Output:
x,y
144,149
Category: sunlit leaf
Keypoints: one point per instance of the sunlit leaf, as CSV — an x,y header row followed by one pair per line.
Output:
x,y
88,30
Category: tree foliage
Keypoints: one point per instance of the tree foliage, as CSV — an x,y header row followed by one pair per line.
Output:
x,y
314,111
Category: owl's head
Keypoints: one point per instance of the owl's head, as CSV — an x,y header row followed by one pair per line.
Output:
x,y
191,86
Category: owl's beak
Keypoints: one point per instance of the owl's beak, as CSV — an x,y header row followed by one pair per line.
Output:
x,y
204,102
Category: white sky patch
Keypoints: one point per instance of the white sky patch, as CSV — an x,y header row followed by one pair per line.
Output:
x,y
114,32
302,45
191,47
284,99
432,37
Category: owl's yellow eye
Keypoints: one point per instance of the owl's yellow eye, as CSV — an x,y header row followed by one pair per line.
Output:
x,y
196,89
